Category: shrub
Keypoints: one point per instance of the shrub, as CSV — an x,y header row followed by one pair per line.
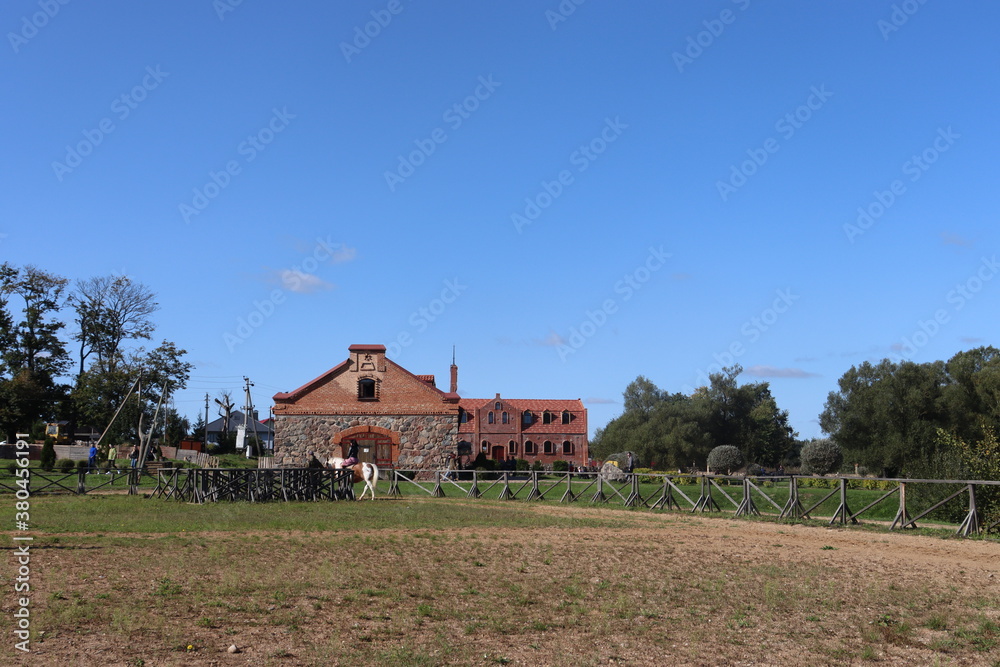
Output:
x,y
48,458
537,466
522,464
725,459
11,467
646,476
821,457
82,464
64,465
560,466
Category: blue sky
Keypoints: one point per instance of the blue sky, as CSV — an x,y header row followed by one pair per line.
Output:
x,y
571,194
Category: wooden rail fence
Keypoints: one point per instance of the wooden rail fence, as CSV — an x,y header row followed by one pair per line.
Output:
x,y
654,491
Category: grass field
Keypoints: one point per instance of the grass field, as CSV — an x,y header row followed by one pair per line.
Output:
x,y
120,580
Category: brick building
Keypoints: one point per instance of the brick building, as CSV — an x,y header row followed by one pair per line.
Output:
x,y
401,419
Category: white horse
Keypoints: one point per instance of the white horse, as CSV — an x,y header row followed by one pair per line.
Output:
x,y
363,472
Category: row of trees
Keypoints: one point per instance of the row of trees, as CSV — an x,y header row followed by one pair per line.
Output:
x,y
678,431
41,380
936,420
907,418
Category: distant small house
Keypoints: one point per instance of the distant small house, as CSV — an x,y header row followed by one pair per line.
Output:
x,y
263,429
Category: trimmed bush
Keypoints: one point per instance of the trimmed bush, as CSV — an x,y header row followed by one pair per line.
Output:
x,y
560,466
64,465
522,464
82,464
724,459
821,457
48,458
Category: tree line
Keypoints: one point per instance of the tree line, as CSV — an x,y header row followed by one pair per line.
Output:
x,y
937,420
70,352
676,431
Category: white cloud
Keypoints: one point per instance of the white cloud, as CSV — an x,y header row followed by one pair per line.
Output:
x,y
300,282
552,340
954,239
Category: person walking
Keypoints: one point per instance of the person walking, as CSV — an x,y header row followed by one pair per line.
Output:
x,y
133,456
112,459
92,459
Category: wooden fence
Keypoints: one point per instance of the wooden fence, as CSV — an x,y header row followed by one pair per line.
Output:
x,y
740,496
666,494
254,484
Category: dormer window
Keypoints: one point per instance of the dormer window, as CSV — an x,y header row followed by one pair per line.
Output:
x,y
565,417
367,390
526,418
463,416
546,417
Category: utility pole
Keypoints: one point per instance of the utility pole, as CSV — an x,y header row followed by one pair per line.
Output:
x,y
206,424
227,408
248,414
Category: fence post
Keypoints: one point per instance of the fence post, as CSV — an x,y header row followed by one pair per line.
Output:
x,y
394,484
535,493
970,524
474,491
902,516
81,482
747,507
599,496
706,503
843,512
569,496
634,499
438,491
505,493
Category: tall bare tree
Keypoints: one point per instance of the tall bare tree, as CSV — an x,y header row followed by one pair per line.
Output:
x,y
109,311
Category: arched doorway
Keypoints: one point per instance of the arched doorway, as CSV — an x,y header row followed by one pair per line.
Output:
x,y
375,445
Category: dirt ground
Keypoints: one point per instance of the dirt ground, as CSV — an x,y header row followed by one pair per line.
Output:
x,y
654,589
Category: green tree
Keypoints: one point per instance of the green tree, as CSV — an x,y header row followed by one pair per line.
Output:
x,y
32,356
885,416
821,457
48,457
725,459
678,431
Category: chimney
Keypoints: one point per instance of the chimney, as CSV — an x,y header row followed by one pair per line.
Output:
x,y
454,373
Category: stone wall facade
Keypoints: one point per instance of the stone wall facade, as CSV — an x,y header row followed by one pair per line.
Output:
x,y
423,440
